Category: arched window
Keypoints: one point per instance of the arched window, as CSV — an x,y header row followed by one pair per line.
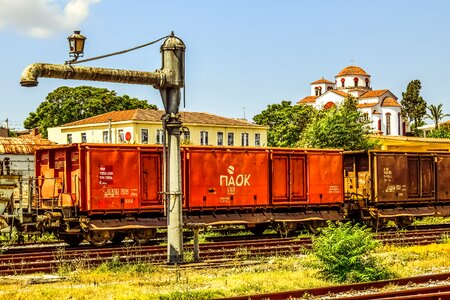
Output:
x,y
316,89
399,119
379,125
367,82
355,80
388,123
329,88
343,82
320,90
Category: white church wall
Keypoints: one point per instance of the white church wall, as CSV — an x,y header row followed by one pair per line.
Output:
x,y
328,97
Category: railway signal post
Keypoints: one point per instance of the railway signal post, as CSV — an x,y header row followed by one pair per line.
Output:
x,y
168,80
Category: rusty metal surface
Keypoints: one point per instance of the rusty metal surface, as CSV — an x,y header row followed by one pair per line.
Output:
x,y
32,72
14,145
443,177
407,212
403,177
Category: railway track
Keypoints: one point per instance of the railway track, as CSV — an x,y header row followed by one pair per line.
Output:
x,y
434,286
50,258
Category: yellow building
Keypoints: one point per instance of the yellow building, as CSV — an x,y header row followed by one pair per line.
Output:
x,y
408,143
144,126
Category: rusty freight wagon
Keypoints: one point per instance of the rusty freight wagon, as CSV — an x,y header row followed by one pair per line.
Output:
x,y
105,192
399,186
16,170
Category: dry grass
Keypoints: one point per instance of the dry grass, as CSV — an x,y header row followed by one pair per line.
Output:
x,y
146,281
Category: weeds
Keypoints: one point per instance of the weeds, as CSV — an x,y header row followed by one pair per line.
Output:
x,y
344,252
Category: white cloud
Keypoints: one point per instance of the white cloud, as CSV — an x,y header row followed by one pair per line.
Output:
x,y
42,18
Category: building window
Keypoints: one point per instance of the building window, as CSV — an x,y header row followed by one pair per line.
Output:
x,y
220,138
329,88
343,82
388,124
356,81
83,137
121,136
230,139
367,82
379,125
244,139
105,137
186,135
316,89
144,136
159,136
399,118
257,139
364,117
203,137
329,105
69,138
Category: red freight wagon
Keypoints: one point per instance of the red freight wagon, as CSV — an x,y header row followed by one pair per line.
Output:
x,y
100,179
106,191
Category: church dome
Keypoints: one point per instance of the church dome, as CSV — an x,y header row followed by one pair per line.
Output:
x,y
352,70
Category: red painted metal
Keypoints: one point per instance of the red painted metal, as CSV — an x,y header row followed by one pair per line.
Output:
x,y
103,178
325,177
224,178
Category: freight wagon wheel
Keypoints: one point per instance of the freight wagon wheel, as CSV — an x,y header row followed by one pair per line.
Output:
x,y
403,222
258,230
118,237
73,239
313,226
285,228
99,237
143,236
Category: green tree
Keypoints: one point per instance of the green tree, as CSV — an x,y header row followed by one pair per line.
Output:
x,y
345,252
436,114
339,127
66,104
442,132
413,105
285,121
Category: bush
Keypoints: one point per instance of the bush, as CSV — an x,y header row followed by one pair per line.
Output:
x,y
345,253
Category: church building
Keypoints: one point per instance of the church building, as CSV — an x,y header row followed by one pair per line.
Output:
x,y
380,107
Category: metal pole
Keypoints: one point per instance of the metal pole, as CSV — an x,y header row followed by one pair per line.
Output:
x,y
174,216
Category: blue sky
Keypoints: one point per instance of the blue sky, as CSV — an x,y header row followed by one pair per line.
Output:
x,y
241,55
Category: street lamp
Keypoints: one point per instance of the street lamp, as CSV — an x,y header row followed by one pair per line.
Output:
x,y
76,46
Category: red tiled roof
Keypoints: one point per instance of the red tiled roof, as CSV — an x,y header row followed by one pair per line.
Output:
x,y
308,99
151,115
322,80
352,70
389,101
365,105
341,93
373,94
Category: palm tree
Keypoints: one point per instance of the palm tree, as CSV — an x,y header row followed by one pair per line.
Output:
x,y
436,114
